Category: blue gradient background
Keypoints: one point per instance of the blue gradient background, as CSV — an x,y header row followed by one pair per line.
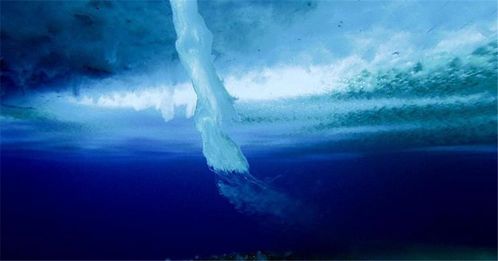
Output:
x,y
378,120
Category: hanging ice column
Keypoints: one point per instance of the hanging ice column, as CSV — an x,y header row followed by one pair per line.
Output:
x,y
214,104
214,110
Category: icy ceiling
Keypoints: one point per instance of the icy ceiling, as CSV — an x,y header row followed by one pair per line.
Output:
x,y
415,73
66,44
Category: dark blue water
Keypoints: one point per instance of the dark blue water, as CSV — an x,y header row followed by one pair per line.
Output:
x,y
94,206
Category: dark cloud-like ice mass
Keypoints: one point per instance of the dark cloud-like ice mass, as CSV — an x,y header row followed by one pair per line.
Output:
x,y
55,43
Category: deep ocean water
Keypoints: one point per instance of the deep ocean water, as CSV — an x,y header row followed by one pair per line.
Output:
x,y
304,130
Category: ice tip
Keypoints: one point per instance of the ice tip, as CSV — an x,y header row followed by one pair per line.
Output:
x,y
229,169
